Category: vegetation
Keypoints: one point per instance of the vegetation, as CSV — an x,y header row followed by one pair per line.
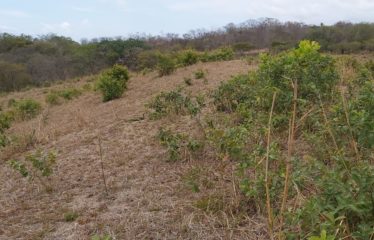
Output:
x,y
36,166
113,83
320,188
26,109
179,146
174,102
54,97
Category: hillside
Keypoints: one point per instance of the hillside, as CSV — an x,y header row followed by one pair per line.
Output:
x,y
148,198
275,146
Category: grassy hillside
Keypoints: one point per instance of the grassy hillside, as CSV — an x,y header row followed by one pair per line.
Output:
x,y
274,146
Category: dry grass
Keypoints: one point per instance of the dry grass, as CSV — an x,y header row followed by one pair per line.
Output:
x,y
147,197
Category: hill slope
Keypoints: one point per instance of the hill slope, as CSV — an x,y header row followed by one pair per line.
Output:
x,y
148,197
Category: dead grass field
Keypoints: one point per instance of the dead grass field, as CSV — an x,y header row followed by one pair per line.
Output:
x,y
148,197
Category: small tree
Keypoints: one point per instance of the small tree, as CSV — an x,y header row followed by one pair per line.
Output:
x,y
113,82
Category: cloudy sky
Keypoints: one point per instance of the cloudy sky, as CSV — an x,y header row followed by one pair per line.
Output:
x,y
96,18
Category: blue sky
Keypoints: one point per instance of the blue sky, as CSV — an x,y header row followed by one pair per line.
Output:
x,y
98,18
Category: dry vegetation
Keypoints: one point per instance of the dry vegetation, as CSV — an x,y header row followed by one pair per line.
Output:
x,y
148,197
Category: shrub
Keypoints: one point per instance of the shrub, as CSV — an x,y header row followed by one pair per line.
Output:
x,y
53,98
41,166
166,65
199,74
26,109
222,54
178,145
174,102
112,83
188,57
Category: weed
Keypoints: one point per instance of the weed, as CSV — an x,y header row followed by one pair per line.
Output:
x,y
70,216
173,102
26,109
38,166
179,146
188,81
199,74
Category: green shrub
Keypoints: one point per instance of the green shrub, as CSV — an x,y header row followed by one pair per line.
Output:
x,y
53,98
166,65
222,54
188,57
199,74
38,165
26,109
113,82
179,146
70,93
174,102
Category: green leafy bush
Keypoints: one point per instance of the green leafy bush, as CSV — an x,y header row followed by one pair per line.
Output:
x,y
188,57
113,82
166,65
53,98
26,109
222,54
179,146
174,102
38,165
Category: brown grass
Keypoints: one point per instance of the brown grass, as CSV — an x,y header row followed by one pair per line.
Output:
x,y
148,199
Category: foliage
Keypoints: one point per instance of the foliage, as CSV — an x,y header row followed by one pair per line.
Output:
x,y
113,82
38,165
222,54
54,96
166,65
26,109
179,146
199,74
188,57
174,102
70,216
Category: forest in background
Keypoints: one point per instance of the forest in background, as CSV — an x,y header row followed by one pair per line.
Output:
x,y
36,61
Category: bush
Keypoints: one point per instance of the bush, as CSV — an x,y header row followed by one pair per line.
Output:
x,y
166,65
41,166
199,74
174,102
188,57
53,98
26,109
179,145
222,54
112,83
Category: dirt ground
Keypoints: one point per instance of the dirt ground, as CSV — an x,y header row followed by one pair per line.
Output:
x,y
148,197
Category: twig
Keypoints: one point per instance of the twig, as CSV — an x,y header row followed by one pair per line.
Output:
x,y
354,144
102,166
291,143
328,124
268,203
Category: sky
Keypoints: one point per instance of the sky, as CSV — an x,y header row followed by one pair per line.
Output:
x,y
89,19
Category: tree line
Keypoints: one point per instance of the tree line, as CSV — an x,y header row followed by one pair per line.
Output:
x,y
27,60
